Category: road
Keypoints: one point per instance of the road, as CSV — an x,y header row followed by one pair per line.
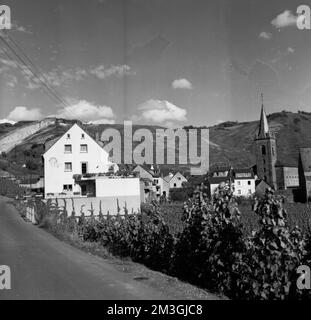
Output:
x,y
43,267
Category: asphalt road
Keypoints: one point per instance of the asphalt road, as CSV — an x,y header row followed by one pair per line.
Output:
x,y
43,267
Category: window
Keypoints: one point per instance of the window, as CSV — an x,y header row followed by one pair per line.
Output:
x,y
68,135
239,191
272,151
248,182
68,166
67,187
84,167
175,185
239,183
263,150
68,148
249,191
83,148
179,178
82,136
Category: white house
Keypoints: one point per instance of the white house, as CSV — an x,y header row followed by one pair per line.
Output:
x,y
220,175
244,182
152,184
175,180
70,161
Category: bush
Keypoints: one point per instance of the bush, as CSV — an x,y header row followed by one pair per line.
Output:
x,y
211,243
273,254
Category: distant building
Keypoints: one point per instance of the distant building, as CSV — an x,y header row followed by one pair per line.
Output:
x,y
220,175
154,186
244,182
287,176
175,180
304,169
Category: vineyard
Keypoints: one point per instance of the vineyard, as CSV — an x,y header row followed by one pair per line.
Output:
x,y
205,243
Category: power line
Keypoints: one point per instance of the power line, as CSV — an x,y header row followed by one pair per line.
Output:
x,y
48,88
24,72
35,67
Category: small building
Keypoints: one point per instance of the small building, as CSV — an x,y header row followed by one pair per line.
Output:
x,y
261,187
220,175
175,180
244,182
287,176
152,185
304,170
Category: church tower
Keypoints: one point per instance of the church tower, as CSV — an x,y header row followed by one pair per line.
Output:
x,y
266,156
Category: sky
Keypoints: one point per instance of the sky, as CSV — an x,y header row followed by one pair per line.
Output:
x,y
164,62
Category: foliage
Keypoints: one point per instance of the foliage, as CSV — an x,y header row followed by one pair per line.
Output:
x,y
212,248
273,254
11,189
212,241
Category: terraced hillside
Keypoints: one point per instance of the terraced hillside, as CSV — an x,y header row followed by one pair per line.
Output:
x,y
230,142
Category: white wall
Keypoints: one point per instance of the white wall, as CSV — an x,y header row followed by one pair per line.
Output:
x,y
54,160
116,187
177,179
244,187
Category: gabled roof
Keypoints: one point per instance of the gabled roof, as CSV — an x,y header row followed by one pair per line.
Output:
x,y
168,178
243,174
51,143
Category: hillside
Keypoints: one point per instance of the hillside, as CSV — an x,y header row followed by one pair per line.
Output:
x,y
231,142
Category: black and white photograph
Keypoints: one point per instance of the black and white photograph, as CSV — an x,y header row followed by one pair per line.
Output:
x,y
154,151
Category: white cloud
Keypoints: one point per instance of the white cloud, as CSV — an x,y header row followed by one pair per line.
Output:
x,y
290,50
162,111
181,84
265,35
103,72
86,111
7,121
284,19
25,114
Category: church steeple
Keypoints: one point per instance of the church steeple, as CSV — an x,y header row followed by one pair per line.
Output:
x,y
266,155
263,130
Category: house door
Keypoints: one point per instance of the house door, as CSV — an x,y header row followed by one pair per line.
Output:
x,y
84,167
83,189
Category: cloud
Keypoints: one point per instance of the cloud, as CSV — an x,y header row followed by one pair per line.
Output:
x,y
181,84
25,114
284,19
290,50
103,72
7,121
265,35
87,111
162,111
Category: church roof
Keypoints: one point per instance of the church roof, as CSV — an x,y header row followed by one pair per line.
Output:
x,y
263,130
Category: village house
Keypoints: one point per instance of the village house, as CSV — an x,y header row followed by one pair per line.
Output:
x,y
304,168
219,176
175,180
71,162
154,185
244,182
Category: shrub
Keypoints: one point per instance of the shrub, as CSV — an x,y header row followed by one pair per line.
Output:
x,y
273,254
212,241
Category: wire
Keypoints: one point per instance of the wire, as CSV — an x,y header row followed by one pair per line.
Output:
x,y
49,89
